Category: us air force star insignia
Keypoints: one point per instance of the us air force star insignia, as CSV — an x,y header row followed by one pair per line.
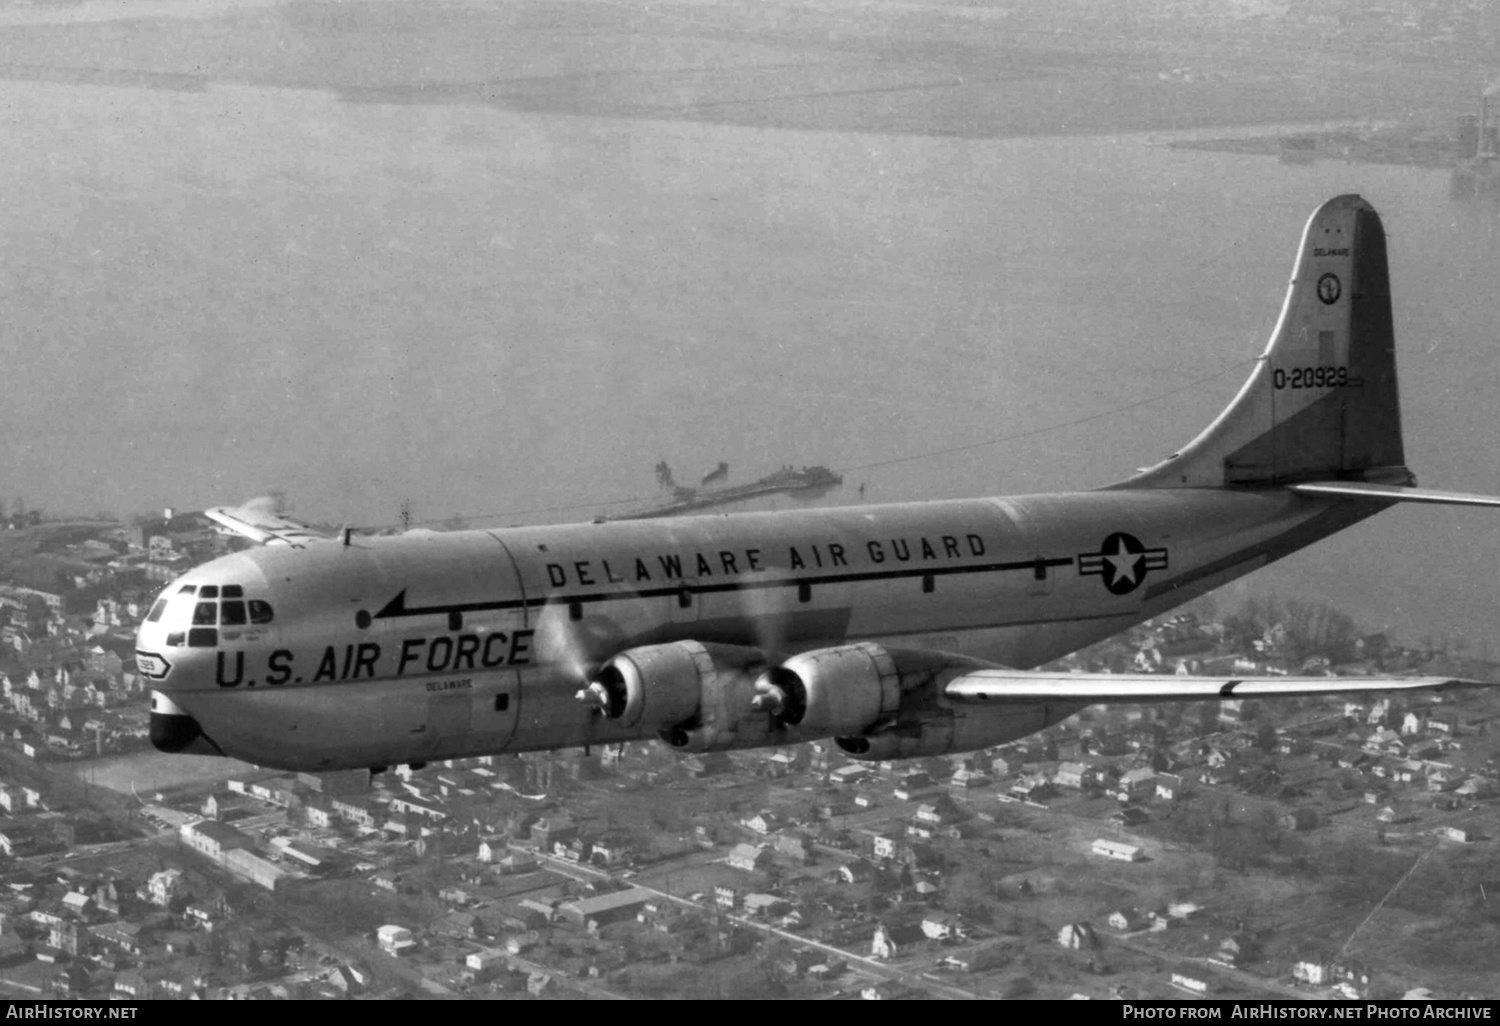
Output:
x,y
1122,561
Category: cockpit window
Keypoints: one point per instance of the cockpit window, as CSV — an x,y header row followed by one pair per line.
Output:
x,y
215,605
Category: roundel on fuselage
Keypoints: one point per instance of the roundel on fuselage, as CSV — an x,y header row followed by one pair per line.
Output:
x,y
1122,562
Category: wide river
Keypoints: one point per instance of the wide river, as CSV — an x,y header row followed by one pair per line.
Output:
x,y
212,289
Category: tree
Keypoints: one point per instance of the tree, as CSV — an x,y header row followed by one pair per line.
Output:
x,y
1265,737
251,957
1316,628
1208,717
1256,616
273,955
771,959
216,949
1260,778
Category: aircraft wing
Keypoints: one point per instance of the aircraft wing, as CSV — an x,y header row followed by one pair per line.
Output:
x,y
259,521
1031,686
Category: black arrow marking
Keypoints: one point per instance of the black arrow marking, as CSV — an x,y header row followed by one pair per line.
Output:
x,y
397,608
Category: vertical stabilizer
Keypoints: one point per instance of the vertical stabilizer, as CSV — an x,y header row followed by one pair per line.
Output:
x,y
1321,403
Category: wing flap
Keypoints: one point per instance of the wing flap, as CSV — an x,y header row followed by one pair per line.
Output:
x,y
1023,686
259,521
1391,493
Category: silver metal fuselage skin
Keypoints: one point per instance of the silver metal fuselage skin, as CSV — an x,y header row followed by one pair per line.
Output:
x,y
444,645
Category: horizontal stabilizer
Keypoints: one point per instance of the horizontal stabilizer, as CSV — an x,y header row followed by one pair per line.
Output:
x,y
259,521
1023,686
1391,493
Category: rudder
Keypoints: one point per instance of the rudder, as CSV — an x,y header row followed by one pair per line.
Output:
x,y
1322,402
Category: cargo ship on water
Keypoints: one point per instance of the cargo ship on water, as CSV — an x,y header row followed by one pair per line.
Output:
x,y
806,482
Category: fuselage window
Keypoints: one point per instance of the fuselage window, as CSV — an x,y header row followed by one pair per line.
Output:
x,y
260,612
232,613
203,637
206,614
209,591
233,591
156,611
187,589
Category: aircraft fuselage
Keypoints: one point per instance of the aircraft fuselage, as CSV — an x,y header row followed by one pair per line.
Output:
x,y
443,645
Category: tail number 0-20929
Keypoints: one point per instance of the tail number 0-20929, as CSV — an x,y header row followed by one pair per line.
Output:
x,y
1310,377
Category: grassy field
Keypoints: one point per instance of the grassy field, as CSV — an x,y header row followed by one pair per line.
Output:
x,y
144,773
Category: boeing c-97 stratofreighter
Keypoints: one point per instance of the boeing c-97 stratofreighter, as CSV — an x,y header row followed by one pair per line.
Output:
x,y
896,630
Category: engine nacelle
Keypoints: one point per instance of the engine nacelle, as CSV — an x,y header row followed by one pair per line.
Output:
x,y
655,685
658,687
843,690
947,731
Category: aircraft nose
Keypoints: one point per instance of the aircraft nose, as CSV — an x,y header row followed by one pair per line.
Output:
x,y
226,601
175,732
